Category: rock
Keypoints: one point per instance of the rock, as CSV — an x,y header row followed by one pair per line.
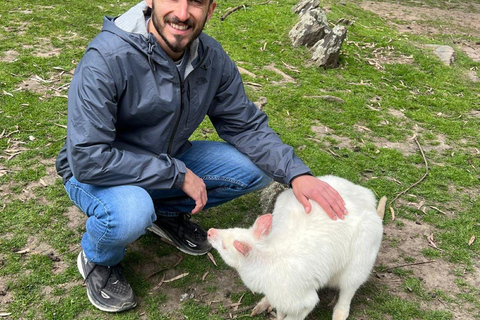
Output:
x,y
313,31
472,75
305,5
327,50
446,53
313,25
261,102
268,196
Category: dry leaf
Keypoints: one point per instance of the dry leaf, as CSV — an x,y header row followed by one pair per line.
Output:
x,y
239,303
435,208
177,277
205,275
291,68
471,241
420,205
431,242
210,256
393,213
333,153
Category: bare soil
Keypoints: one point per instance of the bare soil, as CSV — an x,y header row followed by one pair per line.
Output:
x,y
457,20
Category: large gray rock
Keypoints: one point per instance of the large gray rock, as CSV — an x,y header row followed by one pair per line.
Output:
x,y
327,50
313,26
305,5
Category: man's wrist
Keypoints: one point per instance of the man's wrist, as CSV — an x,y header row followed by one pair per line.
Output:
x,y
300,175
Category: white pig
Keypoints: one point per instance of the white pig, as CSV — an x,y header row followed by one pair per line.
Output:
x,y
289,255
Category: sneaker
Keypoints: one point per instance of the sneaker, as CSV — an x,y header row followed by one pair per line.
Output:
x,y
107,288
187,236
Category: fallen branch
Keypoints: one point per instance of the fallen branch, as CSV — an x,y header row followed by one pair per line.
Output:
x,y
419,181
232,10
242,310
180,259
409,265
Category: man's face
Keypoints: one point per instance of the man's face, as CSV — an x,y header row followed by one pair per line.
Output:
x,y
176,23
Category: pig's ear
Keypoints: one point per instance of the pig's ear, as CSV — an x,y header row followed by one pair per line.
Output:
x,y
262,226
242,247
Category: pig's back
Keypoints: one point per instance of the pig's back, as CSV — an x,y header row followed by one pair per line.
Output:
x,y
315,245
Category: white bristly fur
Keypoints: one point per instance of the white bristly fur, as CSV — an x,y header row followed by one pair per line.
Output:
x,y
302,252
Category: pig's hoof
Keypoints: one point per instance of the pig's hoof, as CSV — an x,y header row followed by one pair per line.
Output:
x,y
261,307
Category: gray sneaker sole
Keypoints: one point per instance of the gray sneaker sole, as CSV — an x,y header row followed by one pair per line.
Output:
x,y
92,300
166,238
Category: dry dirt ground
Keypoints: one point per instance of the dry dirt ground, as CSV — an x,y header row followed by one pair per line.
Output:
x,y
400,242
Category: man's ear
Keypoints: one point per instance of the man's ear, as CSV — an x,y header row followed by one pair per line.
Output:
x,y
242,247
262,226
211,8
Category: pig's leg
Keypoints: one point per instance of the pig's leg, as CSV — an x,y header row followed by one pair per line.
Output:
x,y
307,303
262,306
342,308
280,316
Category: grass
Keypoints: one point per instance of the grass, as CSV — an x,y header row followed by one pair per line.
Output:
x,y
40,45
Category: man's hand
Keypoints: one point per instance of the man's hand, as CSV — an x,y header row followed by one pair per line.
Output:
x,y
195,188
306,187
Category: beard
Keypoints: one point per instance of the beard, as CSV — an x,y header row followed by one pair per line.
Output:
x,y
178,44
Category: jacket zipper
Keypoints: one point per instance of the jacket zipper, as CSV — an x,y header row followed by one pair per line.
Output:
x,y
172,137
151,45
182,91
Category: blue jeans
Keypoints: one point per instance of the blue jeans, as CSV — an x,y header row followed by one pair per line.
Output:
x,y
119,215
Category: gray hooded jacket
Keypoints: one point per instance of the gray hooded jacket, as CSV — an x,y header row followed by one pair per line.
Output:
x,y
131,111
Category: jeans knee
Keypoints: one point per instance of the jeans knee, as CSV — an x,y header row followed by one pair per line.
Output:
x,y
261,182
131,216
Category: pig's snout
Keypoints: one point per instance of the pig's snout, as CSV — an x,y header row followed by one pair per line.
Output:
x,y
211,233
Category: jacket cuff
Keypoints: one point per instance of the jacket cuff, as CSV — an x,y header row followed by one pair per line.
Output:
x,y
180,176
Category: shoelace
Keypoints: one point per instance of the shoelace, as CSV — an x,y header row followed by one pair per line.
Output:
x,y
115,270
185,222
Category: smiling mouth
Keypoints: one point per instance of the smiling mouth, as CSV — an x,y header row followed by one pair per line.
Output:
x,y
180,27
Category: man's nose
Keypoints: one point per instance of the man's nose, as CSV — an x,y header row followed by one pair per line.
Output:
x,y
182,11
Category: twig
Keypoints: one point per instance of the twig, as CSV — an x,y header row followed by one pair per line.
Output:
x,y
180,259
60,125
436,209
419,181
232,10
333,153
241,310
409,264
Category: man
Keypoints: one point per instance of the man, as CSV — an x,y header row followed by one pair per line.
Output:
x,y
143,86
